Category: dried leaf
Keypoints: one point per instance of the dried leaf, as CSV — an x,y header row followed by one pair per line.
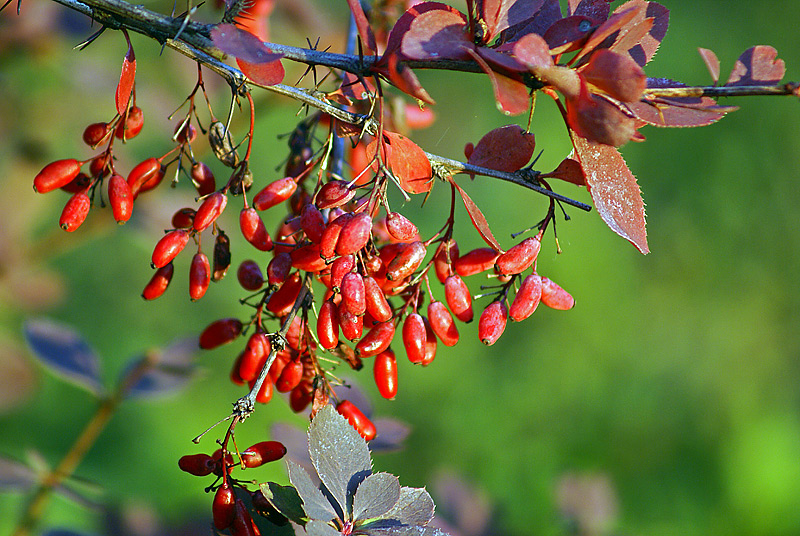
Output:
x,y
614,190
62,350
126,80
757,65
241,44
266,74
437,34
478,219
368,45
376,495
506,148
712,63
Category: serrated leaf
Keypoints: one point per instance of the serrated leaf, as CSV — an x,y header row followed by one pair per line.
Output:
x,y
477,218
62,350
615,24
126,80
375,496
266,74
315,505
614,190
316,527
285,499
401,530
414,507
757,65
644,50
170,369
712,63
339,454
241,44
506,148
501,14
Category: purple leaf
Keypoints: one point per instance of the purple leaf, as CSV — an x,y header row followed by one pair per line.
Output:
x,y
65,352
537,23
712,63
437,34
643,51
315,505
414,507
376,495
241,44
757,65
501,14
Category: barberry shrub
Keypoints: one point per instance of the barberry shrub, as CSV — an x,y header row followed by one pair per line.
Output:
x,y
334,268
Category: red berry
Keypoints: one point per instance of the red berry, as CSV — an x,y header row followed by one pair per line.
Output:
x,y
75,212
209,211
282,300
264,394
81,183
357,419
183,218
414,338
353,293
56,174
444,258
243,524
376,340
143,173
203,179
430,343
197,464
312,223
275,193
308,258
442,323
526,299
354,235
492,322
385,372
250,276
458,298
334,194
159,282
263,452
168,247
377,305
476,261
254,230
406,262
223,507
278,269
199,276
352,326
187,134
94,134
132,125
331,235
556,297
290,377
519,258
340,268
99,164
220,332
328,325
120,198
300,397
254,356
401,227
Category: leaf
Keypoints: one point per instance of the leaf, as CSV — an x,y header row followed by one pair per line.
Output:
x,y
644,50
285,499
405,80
395,40
126,79
712,63
757,65
614,190
241,44
316,527
364,31
506,148
169,370
339,454
548,14
568,170
566,34
409,164
315,505
477,217
414,507
375,496
596,10
615,23
266,74
511,95
65,352
677,111
501,14
400,530
437,34
616,74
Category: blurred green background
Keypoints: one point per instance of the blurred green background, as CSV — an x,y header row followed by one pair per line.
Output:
x,y
676,378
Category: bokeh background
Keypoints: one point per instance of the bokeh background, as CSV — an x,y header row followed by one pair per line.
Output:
x,y
667,402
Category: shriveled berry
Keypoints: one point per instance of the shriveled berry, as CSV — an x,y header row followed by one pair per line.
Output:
x,y
414,337
199,276
222,256
275,193
376,340
330,237
282,300
556,297
519,258
527,298
328,325
132,125
278,269
334,194
312,223
340,268
458,298
183,218
476,261
353,293
220,332
159,282
254,230
209,210
203,178
376,302
120,198
290,377
56,174
263,452
223,507
406,262
354,235
94,134
442,323
187,134
385,372
352,326
168,247
357,419
492,322
81,183
196,464
401,227
75,212
249,275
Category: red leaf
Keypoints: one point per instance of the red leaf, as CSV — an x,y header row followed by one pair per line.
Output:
x,y
395,40
615,23
506,148
594,9
478,219
617,75
511,95
364,31
614,190
711,61
537,23
241,44
266,74
409,164
757,65
501,14
437,34
644,50
406,81
677,112
126,79
533,51
568,170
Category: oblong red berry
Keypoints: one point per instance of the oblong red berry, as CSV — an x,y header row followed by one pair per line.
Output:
x,y
209,211
249,275
357,419
81,183
300,397
168,247
443,260
340,268
401,227
223,507
430,344
527,298
197,464
290,377
458,298
94,134
353,293
120,198
278,269
406,262
254,230
355,234
142,173
264,394
159,282
376,340
263,452
254,356
312,223
275,193
308,258
55,175
377,304
282,300
220,332
352,326
476,261
442,323
556,297
492,322
330,237
183,218
328,325
203,178
414,337
334,194
132,126
100,163
187,134
199,276
519,258
385,373
75,212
